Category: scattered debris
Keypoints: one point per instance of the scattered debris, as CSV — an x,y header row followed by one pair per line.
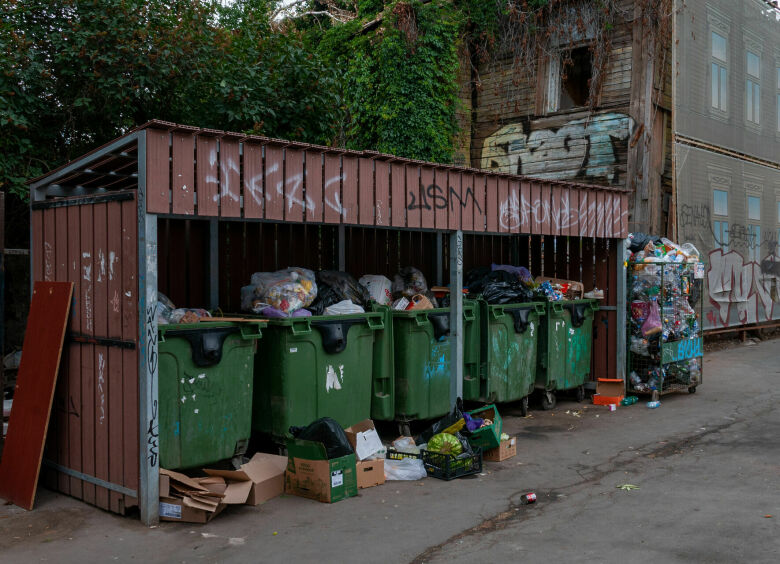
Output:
x,y
627,487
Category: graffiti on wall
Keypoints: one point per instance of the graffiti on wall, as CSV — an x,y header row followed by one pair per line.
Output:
x,y
695,222
587,148
748,287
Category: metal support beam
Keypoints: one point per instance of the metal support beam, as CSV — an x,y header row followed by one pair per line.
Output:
x,y
342,243
456,316
213,263
148,355
620,330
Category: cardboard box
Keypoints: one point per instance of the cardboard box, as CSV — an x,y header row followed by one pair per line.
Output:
x,y
257,481
310,474
608,391
365,440
191,500
370,473
507,449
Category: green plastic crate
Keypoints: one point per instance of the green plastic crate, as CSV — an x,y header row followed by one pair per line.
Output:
x,y
490,436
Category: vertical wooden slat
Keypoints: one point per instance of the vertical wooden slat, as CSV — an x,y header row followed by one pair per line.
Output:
x,y
440,198
207,176
87,306
535,209
37,245
572,212
293,185
503,205
74,351
332,189
253,181
525,211
584,210
229,178
158,173
100,359
365,191
454,187
274,183
467,194
480,206
61,401
555,210
545,197
427,213
491,211
183,178
398,195
349,189
382,194
511,209
115,410
129,295
624,216
48,245
607,215
313,184
413,191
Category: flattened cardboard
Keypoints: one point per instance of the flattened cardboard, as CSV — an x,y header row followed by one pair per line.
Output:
x,y
191,500
506,450
310,474
173,509
257,481
370,473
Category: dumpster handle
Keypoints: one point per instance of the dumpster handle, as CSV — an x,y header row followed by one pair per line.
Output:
x,y
497,312
594,306
539,309
557,308
301,326
375,323
248,334
468,313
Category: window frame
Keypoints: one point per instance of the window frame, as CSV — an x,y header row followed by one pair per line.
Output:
x,y
752,89
722,66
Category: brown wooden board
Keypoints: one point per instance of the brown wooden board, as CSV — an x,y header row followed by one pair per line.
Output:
x,y
413,191
41,353
183,173
382,193
313,186
100,359
158,179
398,195
440,198
454,196
86,303
479,203
207,176
114,331
366,192
61,394
426,201
332,189
491,210
229,179
253,180
294,201
74,353
129,295
349,190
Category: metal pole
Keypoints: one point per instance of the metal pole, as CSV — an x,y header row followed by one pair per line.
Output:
x,y
620,331
342,243
213,264
456,316
149,445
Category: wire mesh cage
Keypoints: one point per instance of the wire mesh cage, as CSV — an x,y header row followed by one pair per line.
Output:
x,y
665,303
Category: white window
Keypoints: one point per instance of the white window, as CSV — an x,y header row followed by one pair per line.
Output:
x,y
753,91
754,242
754,208
721,201
721,232
719,71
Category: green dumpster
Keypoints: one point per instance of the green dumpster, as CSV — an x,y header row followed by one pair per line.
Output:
x,y
565,348
205,391
312,367
509,344
422,360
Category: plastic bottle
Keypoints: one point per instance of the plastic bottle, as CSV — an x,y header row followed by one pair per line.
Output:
x,y
653,404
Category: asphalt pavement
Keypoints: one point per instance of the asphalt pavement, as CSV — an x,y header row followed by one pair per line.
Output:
x,y
706,471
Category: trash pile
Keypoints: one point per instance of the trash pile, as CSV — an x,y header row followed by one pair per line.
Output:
x,y
505,284
665,285
328,463
167,313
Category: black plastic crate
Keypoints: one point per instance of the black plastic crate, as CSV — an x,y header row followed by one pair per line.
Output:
x,y
395,455
449,467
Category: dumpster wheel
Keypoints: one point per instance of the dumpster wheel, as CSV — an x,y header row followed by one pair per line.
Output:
x,y
580,394
404,429
548,400
692,390
524,406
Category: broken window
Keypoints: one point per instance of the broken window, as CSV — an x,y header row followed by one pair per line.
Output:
x,y
576,72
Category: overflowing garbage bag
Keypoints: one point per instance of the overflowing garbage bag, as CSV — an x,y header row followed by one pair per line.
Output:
x,y
168,313
328,432
380,288
335,287
285,290
408,282
646,248
498,286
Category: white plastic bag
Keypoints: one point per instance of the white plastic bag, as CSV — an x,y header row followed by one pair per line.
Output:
x,y
404,469
344,307
379,287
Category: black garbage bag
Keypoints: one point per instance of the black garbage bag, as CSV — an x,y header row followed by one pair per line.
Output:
x,y
640,240
408,282
446,421
474,278
328,432
501,287
334,287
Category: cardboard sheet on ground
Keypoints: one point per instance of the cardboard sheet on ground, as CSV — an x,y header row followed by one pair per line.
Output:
x,y
41,353
260,479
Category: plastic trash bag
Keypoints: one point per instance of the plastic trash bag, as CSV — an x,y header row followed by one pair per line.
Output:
x,y
344,307
652,325
451,419
287,290
639,241
522,273
406,445
501,287
405,469
408,282
328,432
165,308
334,287
379,288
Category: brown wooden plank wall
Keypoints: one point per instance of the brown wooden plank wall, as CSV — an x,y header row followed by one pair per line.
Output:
x,y
94,424
216,174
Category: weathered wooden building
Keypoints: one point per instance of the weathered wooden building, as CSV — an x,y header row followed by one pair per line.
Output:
x,y
591,102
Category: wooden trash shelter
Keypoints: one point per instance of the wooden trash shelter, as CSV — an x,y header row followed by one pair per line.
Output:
x,y
192,213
